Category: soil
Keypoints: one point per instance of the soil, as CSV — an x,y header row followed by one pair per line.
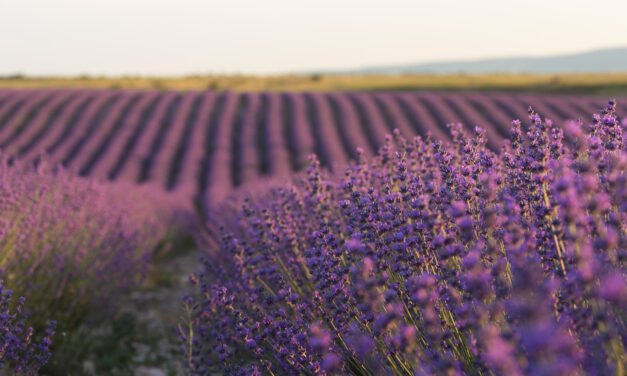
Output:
x,y
145,331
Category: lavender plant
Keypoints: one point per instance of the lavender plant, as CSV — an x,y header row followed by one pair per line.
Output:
x,y
430,258
19,353
71,246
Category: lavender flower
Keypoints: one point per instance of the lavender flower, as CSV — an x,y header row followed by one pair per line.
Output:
x,y
21,349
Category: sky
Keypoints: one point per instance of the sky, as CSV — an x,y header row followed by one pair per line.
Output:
x,y
179,37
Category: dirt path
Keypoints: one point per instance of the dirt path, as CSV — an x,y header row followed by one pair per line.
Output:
x,y
142,341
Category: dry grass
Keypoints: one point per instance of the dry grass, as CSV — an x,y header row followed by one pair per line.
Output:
x,y
601,84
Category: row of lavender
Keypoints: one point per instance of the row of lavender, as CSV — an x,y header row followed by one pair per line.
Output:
x,y
69,249
208,143
428,259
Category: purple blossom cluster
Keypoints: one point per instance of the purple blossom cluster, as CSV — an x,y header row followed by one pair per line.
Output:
x,y
18,350
428,259
71,246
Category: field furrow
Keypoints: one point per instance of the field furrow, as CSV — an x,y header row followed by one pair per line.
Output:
x,y
165,151
246,158
329,146
218,183
188,182
302,140
276,144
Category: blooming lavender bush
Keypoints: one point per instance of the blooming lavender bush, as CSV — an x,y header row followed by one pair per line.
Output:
x,y
429,259
18,351
71,246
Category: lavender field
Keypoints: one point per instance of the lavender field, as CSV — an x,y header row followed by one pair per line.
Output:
x,y
364,233
204,144
313,188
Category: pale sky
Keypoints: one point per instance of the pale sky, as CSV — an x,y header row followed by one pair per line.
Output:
x,y
177,37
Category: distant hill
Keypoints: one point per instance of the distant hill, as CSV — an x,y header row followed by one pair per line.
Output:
x,y
599,61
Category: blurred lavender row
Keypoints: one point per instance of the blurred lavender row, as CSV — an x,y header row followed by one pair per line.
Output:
x,y
71,248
